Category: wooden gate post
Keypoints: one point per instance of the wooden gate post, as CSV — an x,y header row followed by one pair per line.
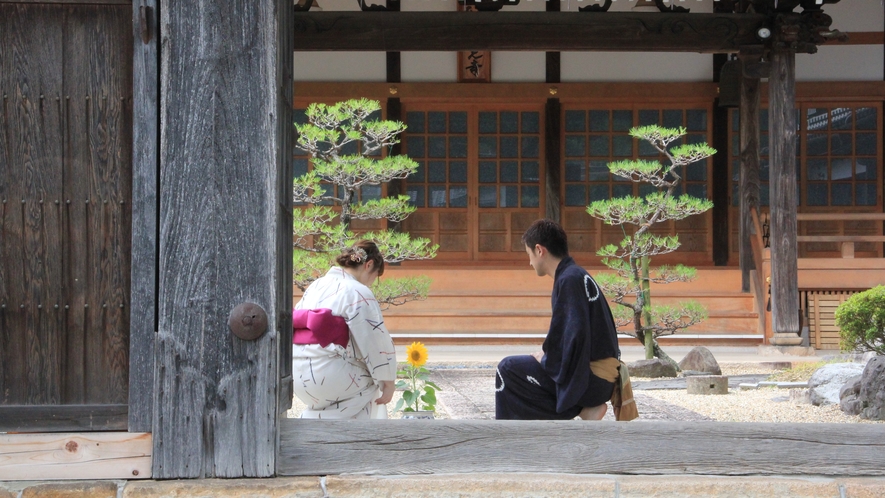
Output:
x,y
225,196
784,267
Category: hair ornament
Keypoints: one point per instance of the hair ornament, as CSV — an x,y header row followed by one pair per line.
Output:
x,y
359,255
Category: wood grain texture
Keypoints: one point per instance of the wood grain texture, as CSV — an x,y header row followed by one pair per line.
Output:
x,y
748,181
66,136
310,447
100,191
35,147
283,226
145,181
109,455
62,418
222,216
782,118
550,31
12,332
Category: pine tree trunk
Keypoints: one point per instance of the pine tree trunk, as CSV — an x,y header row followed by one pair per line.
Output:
x,y
650,342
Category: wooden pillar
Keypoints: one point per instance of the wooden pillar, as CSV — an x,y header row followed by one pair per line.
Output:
x,y
552,157
748,182
552,132
552,59
394,59
225,198
145,180
784,269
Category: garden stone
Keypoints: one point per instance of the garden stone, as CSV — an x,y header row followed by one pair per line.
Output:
x,y
872,390
848,396
800,396
702,360
652,369
826,382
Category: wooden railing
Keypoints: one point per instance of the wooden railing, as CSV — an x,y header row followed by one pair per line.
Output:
x,y
756,241
818,276
847,241
762,262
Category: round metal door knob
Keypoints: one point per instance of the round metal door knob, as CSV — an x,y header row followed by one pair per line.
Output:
x,y
248,321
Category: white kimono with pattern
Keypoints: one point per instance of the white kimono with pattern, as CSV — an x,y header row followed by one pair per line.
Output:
x,y
343,383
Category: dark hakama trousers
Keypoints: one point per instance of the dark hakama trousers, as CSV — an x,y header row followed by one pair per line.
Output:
x,y
524,391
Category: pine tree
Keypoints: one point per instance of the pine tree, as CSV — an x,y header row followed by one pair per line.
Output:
x,y
331,191
629,286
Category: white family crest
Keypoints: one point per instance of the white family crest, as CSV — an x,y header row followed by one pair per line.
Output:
x,y
587,279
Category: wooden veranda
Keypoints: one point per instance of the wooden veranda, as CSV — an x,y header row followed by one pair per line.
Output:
x,y
197,155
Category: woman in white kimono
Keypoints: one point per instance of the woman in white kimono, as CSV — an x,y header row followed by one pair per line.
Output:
x,y
343,359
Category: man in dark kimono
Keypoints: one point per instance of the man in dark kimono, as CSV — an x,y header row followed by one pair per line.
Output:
x,y
557,383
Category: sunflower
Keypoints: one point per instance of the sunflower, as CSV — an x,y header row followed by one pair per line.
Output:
x,y
416,354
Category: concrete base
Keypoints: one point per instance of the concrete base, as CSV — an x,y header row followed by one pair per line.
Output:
x,y
464,486
707,384
787,339
775,350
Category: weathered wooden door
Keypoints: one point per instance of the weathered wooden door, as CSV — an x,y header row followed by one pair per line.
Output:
x,y
65,216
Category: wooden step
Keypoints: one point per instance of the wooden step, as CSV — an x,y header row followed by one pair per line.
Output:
x,y
519,278
513,304
541,302
522,322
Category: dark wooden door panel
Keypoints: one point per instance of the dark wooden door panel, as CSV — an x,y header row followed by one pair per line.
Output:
x,y
32,85
65,216
63,418
99,169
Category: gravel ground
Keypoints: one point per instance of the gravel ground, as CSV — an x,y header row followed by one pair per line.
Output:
x,y
473,398
766,404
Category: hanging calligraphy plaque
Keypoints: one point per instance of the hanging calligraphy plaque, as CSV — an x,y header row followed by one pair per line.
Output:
x,y
474,66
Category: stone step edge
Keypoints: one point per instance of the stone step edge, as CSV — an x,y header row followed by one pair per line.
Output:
x,y
746,386
553,485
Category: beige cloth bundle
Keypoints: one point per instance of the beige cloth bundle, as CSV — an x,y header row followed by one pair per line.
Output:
x,y
615,370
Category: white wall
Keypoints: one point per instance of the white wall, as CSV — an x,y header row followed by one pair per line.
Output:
x,y
857,15
425,5
635,66
508,67
440,67
340,66
845,63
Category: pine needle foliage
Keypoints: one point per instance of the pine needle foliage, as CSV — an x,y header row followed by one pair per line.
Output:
x,y
330,195
629,285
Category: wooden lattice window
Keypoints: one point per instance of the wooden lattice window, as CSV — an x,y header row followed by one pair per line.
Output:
x,y
837,150
437,140
841,163
509,159
593,137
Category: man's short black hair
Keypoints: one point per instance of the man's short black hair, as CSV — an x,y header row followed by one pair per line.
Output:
x,y
549,234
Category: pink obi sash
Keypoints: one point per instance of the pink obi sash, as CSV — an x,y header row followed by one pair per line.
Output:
x,y
319,327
